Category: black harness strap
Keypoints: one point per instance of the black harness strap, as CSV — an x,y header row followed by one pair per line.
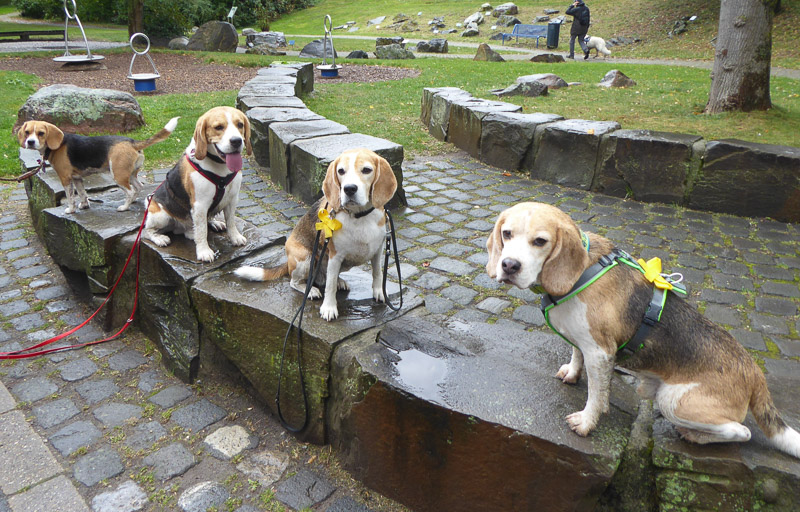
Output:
x,y
219,181
173,196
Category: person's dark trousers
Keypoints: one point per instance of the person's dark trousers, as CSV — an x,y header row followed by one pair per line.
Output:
x,y
581,41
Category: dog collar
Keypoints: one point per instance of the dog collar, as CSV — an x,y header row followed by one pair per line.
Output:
x,y
364,213
215,158
219,181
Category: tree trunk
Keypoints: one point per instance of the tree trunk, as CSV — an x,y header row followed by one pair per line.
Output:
x,y
740,78
135,16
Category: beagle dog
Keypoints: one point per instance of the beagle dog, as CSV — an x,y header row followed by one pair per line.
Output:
x,y
701,378
357,185
75,156
204,182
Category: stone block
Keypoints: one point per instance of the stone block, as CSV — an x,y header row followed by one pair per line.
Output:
x,y
417,436
304,72
277,80
427,100
247,321
465,121
567,152
439,112
311,157
245,103
260,119
507,137
265,89
745,178
283,134
647,166
165,312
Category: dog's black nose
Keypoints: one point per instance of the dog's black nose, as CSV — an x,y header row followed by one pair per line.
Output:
x,y
31,143
511,266
350,189
235,141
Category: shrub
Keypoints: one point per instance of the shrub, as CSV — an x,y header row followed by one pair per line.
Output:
x,y
40,9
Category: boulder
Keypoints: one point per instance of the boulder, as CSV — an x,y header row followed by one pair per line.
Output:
x,y
383,41
407,26
508,21
746,178
550,58
506,8
264,49
550,12
530,89
178,43
214,36
486,7
616,78
485,53
648,166
315,49
247,31
567,152
551,80
357,54
476,18
433,46
437,22
541,19
270,38
393,51
507,137
376,21
400,18
81,110
470,32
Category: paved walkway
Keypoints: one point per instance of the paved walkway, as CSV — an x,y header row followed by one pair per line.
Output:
x,y
108,428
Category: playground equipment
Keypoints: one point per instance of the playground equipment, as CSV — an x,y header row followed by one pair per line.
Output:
x,y
328,70
142,82
68,57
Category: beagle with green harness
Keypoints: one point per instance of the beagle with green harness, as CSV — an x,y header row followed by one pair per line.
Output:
x,y
598,299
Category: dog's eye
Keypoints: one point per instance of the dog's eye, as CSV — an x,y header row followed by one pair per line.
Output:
x,y
219,127
539,242
240,125
41,134
506,234
366,170
341,171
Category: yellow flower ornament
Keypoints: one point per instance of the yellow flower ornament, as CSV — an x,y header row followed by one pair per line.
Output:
x,y
327,224
652,272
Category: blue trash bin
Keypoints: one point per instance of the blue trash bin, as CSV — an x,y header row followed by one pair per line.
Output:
x,y
553,30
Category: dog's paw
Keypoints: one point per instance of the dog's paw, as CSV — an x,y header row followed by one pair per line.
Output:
x,y
341,284
123,207
238,239
69,209
314,293
328,311
160,240
216,225
84,205
567,374
580,423
205,254
377,294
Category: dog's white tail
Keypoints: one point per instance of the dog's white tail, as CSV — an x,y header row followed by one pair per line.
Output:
x,y
172,124
605,51
262,274
781,435
787,440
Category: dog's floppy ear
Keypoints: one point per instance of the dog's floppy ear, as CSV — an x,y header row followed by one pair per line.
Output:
x,y
330,186
54,136
566,261
494,246
385,183
200,142
21,133
247,136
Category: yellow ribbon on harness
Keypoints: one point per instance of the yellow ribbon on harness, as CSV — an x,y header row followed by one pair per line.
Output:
x,y
327,224
652,272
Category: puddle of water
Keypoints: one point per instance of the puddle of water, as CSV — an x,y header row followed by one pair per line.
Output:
x,y
422,373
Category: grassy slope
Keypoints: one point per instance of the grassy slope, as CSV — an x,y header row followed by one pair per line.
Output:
x,y
648,19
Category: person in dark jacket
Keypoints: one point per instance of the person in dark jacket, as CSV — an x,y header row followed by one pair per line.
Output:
x,y
580,27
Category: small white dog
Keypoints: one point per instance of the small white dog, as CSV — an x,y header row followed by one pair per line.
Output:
x,y
599,45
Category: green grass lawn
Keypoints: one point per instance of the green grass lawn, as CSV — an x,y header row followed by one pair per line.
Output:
x,y
95,32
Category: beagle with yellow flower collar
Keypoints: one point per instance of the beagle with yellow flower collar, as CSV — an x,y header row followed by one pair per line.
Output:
x,y
357,185
204,182
701,378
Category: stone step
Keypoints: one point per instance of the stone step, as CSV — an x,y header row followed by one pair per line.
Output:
x,y
260,119
451,415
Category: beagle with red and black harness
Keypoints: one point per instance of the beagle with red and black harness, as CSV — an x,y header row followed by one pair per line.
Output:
x,y
204,182
357,185
701,378
75,156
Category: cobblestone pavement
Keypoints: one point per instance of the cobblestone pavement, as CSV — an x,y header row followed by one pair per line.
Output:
x,y
109,428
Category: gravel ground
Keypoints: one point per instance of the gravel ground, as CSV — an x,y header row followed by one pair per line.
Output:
x,y
179,73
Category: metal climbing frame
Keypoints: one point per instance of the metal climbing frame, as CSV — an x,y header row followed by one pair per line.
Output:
x,y
68,57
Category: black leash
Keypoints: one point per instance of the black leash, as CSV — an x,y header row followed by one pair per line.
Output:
x,y
313,272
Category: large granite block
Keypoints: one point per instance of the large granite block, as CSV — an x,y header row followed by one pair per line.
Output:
x,y
165,312
266,89
283,134
277,79
470,417
427,101
247,321
465,122
648,166
440,102
507,137
310,159
304,71
260,119
745,178
245,103
568,150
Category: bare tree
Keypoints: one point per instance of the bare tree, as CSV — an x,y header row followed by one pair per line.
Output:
x,y
740,78
135,16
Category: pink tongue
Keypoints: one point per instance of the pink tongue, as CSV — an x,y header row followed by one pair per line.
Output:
x,y
234,161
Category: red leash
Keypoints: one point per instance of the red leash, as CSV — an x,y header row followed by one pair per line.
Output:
x,y
26,352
